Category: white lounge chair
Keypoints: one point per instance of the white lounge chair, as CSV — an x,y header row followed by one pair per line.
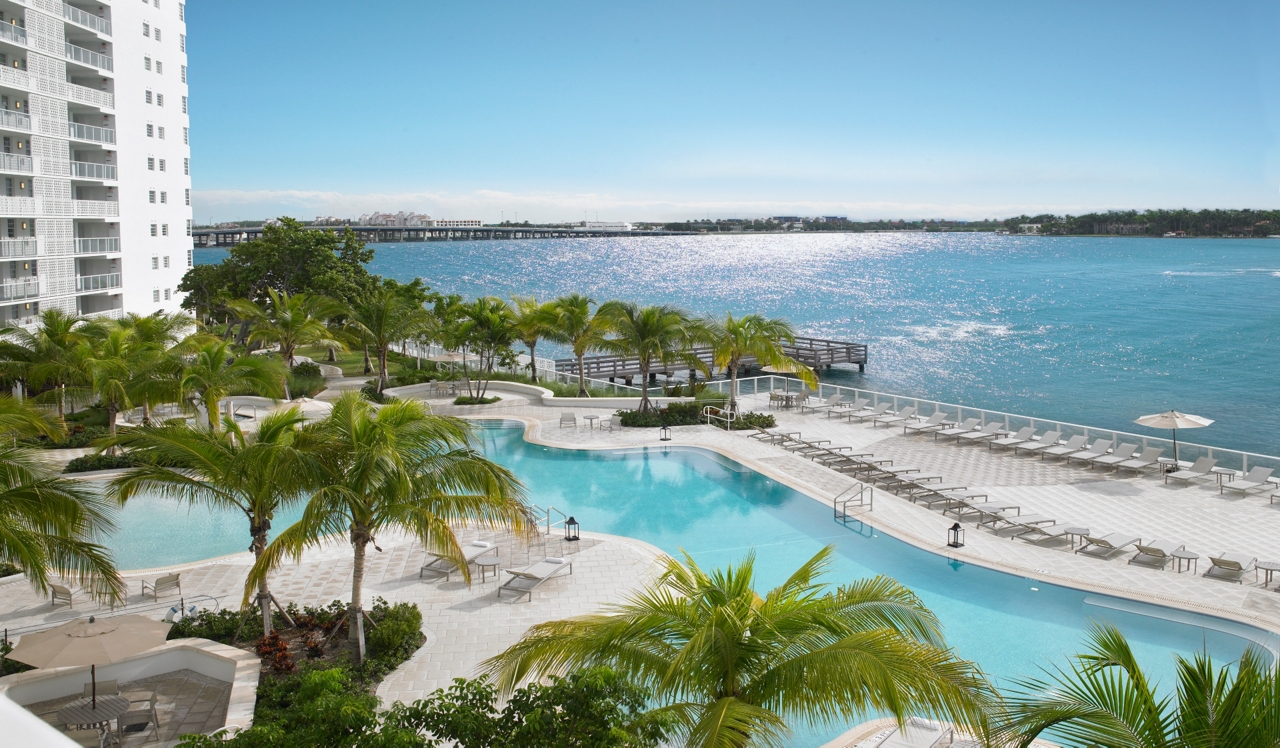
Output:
x,y
568,419
1074,444
163,585
1040,533
1122,453
1049,439
1024,523
1100,447
1230,566
442,565
918,733
1257,478
1024,435
845,408
902,416
875,412
990,512
955,431
1149,458
59,593
1156,553
1110,543
1199,469
934,422
990,431
525,581
827,404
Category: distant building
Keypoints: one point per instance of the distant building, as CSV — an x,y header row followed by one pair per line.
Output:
x,y
1029,228
329,221
449,224
607,226
397,219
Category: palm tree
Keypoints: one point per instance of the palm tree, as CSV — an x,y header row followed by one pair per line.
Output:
x,y
214,372
732,668
382,320
291,321
257,474
111,367
396,466
54,356
752,335
533,322
576,326
488,329
1106,699
652,334
49,525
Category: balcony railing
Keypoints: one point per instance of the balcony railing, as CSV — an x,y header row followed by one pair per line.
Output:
x,y
86,19
11,162
87,170
95,208
89,132
88,57
97,282
18,247
18,206
98,246
26,288
11,120
20,321
91,96
13,33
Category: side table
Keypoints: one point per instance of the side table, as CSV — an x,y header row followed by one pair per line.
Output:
x,y
1266,567
487,563
1186,558
591,421
1075,532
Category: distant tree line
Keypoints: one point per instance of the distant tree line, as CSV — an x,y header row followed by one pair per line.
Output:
x,y
1241,223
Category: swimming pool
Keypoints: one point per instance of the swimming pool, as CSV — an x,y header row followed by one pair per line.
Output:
x,y
717,510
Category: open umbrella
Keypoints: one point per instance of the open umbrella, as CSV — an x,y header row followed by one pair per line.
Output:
x,y
1173,420
90,642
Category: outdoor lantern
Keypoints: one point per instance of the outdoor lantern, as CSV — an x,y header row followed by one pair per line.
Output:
x,y
665,434
571,529
956,536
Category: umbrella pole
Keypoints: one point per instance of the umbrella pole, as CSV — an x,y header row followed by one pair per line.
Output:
x,y
93,680
1175,449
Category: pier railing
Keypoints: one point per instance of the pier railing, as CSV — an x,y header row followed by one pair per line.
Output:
x,y
1187,451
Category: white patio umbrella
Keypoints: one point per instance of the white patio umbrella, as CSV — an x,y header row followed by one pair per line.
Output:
x,y
88,641
1173,420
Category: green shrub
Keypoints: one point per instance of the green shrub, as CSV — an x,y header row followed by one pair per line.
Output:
x,y
7,569
307,369
100,462
78,436
305,386
409,375
398,633
219,626
468,400
753,420
673,414
370,392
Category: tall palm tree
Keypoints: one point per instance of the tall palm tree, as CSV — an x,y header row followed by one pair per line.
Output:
x,y
49,525
156,370
383,319
214,372
533,322
752,335
652,334
488,329
576,326
257,474
54,356
111,366
1104,698
396,466
733,668
291,321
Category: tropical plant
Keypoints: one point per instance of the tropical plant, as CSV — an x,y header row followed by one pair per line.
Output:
x,y
384,318
49,526
651,334
533,322
291,321
732,668
755,336
111,370
488,330
576,326
214,372
52,355
256,474
156,371
1105,699
396,466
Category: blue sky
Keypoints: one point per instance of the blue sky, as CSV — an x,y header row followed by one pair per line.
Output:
x,y
643,111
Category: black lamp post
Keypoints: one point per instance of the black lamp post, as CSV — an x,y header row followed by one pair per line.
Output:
x,y
665,434
955,536
571,529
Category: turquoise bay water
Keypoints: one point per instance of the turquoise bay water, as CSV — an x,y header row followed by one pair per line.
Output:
x,y
1091,330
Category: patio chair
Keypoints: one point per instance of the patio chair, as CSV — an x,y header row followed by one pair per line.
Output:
x,y
1110,543
955,431
844,408
934,422
1049,439
1149,458
827,404
990,431
136,719
1259,477
1025,434
1156,553
439,564
568,419
87,738
1122,453
105,688
167,583
902,416
606,423
875,412
1230,567
1099,449
60,593
919,733
525,581
1062,450
1201,468
777,400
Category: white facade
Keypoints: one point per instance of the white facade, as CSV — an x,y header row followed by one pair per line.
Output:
x,y
441,223
607,226
95,172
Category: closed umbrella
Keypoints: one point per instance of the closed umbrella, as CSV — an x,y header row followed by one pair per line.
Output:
x,y
1173,420
90,642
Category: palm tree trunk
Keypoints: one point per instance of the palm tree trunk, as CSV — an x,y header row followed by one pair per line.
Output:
x,y
62,398
382,367
368,365
644,387
358,542
582,377
333,356
264,594
211,410
146,411
533,362
733,387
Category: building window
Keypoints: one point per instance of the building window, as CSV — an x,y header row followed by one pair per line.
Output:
x,y
166,294
191,258
184,105
188,227
151,131
186,166
151,195
155,262
166,257
159,68
157,33
153,229
146,29
164,197
148,96
151,163
160,132
182,11
188,195
186,137
159,99
161,164
164,231
146,62
184,73
182,42
155,294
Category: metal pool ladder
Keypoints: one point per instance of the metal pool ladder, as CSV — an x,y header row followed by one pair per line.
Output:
x,y
711,413
858,496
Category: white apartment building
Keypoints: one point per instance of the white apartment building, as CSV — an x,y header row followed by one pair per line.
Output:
x,y
95,214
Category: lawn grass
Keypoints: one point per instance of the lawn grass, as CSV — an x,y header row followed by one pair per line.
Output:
x,y
352,362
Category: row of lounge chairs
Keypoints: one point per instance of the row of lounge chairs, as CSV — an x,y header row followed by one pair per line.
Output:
x,y
521,582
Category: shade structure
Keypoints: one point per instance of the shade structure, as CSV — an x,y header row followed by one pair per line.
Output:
x,y
90,641
1173,420
452,357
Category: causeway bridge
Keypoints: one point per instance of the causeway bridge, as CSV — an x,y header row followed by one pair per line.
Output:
x,y
229,237
817,353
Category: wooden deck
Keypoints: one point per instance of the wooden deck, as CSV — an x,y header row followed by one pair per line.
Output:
x,y
813,352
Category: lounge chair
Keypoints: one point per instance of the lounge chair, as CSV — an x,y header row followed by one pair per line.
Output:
x,y
1025,434
1049,439
1040,533
918,733
906,414
827,404
1230,567
60,593
568,419
1099,449
989,512
1156,553
934,422
1259,477
1110,543
1122,453
843,409
440,564
990,431
1074,444
162,585
773,437
1199,469
1023,522
525,581
955,431
875,412
1149,458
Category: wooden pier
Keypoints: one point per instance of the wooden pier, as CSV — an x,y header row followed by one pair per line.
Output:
x,y
816,353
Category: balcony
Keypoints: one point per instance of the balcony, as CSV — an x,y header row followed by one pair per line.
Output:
x,y
18,206
27,288
91,96
87,170
86,19
77,131
99,246
13,163
97,282
11,248
13,33
11,120
88,57
95,208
